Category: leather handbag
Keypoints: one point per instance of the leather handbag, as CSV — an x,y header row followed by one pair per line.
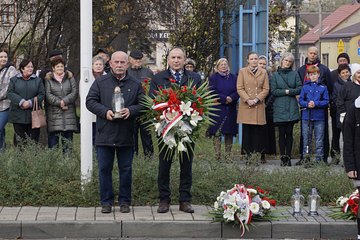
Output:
x,y
38,119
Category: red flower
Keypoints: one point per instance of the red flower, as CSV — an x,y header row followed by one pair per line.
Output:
x,y
146,80
172,80
355,210
193,91
272,202
351,202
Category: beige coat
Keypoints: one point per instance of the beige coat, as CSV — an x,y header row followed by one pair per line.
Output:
x,y
250,86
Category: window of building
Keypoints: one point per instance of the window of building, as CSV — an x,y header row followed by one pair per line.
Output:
x,y
7,14
325,59
33,11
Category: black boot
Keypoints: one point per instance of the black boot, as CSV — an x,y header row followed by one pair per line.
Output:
x,y
288,161
283,161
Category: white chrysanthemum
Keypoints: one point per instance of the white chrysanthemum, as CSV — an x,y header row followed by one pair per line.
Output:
x,y
254,207
186,108
216,205
229,214
265,204
230,200
195,117
339,200
343,201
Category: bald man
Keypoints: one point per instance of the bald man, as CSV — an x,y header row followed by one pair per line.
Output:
x,y
324,79
115,135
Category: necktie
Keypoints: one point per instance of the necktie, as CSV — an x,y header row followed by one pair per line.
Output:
x,y
177,77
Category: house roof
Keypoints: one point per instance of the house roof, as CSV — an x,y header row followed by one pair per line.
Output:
x,y
349,31
329,23
312,19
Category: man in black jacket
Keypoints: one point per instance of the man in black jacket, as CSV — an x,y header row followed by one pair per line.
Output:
x,y
141,74
351,153
343,58
176,61
115,135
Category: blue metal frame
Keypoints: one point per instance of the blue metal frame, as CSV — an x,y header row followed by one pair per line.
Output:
x,y
252,16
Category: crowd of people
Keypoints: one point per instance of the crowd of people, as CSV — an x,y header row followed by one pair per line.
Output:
x,y
255,97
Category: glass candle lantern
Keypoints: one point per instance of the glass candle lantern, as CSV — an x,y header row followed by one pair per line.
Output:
x,y
117,102
314,202
297,202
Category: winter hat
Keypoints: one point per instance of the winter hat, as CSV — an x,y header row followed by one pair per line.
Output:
x,y
355,67
343,55
136,54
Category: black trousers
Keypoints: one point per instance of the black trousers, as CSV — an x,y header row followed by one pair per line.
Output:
x,y
25,131
253,138
286,137
146,139
165,161
335,141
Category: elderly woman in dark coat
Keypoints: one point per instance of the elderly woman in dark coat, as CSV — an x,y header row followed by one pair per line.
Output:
x,y
223,83
61,93
22,90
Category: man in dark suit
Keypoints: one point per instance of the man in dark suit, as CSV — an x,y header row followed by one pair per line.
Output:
x,y
176,61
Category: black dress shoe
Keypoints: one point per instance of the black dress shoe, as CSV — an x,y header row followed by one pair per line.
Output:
x,y
124,208
186,207
164,207
106,209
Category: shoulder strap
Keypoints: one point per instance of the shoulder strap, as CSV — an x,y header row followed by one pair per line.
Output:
x,y
283,80
35,105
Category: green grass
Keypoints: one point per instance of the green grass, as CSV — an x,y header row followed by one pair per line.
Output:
x,y
39,176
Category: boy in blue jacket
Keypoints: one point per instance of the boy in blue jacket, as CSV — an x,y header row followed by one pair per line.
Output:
x,y
313,99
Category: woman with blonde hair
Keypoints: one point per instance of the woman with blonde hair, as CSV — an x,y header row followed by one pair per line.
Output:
x,y
223,83
285,86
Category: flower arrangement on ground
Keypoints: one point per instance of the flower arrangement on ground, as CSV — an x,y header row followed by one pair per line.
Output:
x,y
178,113
346,207
241,205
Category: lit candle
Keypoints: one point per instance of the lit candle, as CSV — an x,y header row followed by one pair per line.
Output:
x,y
313,205
297,205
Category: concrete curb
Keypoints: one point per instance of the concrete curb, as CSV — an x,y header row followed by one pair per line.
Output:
x,y
144,222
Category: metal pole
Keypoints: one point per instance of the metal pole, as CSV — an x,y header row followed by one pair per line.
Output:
x,y
320,29
297,34
86,79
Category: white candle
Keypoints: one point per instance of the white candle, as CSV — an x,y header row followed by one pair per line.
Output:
x,y
297,205
117,106
313,205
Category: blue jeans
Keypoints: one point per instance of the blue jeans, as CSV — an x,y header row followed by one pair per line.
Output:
x,y
4,117
65,137
319,130
105,156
